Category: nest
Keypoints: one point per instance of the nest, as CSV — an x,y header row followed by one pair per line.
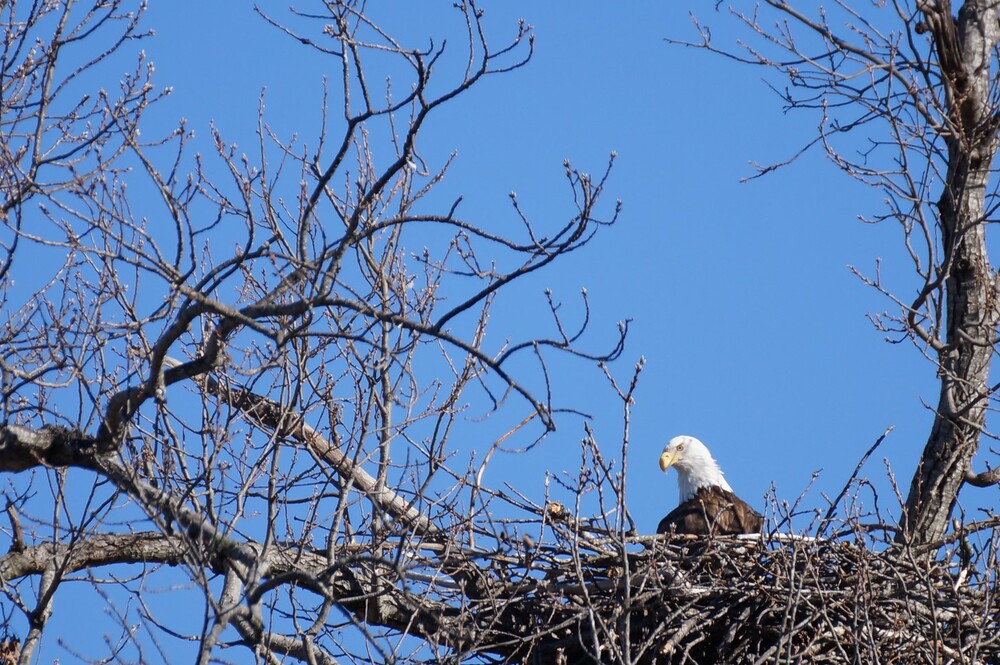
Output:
x,y
737,600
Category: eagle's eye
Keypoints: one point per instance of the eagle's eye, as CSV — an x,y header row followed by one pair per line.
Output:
x,y
680,446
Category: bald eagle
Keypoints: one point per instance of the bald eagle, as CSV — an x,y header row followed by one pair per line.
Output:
x,y
708,504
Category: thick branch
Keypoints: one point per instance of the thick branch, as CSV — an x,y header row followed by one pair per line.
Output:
x,y
984,479
273,416
95,551
22,448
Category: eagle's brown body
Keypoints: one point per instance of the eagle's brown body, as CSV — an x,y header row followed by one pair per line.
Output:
x,y
714,511
708,505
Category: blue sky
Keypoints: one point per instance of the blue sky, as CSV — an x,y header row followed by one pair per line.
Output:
x,y
754,329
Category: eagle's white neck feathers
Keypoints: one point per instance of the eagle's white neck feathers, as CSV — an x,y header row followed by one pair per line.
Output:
x,y
696,468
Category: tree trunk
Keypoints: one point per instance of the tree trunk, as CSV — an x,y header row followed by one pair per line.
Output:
x,y
964,52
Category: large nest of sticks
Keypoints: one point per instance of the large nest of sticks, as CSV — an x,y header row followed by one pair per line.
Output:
x,y
755,600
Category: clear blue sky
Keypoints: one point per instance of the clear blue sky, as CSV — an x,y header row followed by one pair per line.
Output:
x,y
754,329
752,325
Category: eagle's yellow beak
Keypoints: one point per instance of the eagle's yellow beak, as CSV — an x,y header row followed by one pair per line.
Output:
x,y
667,460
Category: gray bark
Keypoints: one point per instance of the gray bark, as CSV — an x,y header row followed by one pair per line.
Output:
x,y
964,51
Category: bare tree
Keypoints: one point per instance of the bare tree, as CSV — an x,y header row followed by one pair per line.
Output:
x,y
249,402
920,85
257,366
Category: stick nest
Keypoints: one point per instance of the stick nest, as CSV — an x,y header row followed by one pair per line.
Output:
x,y
739,600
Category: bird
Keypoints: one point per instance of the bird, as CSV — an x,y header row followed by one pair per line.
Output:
x,y
708,505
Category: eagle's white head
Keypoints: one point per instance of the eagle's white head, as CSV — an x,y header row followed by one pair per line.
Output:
x,y
695,466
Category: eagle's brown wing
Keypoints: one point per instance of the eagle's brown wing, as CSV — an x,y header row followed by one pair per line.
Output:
x,y
689,517
712,510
